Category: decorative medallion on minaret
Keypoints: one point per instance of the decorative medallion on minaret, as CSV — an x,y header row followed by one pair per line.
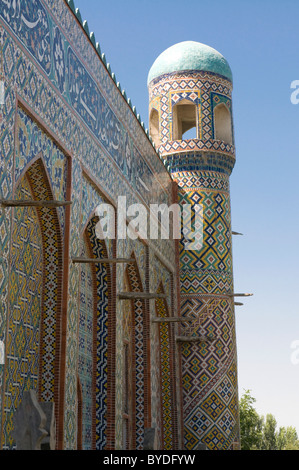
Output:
x,y
190,114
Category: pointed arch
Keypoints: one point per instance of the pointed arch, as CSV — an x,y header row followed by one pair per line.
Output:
x,y
223,124
86,346
93,339
154,126
128,370
184,117
140,360
34,318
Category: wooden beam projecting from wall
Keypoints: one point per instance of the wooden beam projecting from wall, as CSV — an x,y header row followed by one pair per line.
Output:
x,y
29,203
240,295
237,233
193,339
103,260
172,319
139,295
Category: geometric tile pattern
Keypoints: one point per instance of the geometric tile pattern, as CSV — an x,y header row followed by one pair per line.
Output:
x,y
98,251
199,161
71,375
129,248
178,84
44,343
25,306
202,180
30,142
209,270
160,275
52,270
201,167
209,378
52,97
166,385
105,139
33,141
65,70
135,286
216,99
86,353
127,371
206,279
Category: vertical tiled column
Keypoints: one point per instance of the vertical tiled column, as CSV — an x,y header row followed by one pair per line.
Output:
x,y
201,169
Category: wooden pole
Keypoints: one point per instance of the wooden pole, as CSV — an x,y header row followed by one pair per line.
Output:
x,y
29,203
240,295
172,319
139,295
103,260
193,339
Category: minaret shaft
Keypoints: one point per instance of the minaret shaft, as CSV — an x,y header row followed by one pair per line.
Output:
x,y
198,96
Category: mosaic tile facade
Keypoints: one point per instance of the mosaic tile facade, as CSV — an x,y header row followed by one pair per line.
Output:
x,y
41,355
99,251
85,357
68,132
197,87
92,341
128,360
201,167
22,368
51,230
90,147
140,356
165,377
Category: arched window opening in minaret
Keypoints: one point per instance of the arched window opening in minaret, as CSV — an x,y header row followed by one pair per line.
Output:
x,y
223,124
184,121
154,126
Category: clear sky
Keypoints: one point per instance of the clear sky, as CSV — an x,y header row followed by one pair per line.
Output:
x,y
260,40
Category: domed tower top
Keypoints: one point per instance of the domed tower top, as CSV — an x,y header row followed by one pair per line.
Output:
x,y
190,56
190,110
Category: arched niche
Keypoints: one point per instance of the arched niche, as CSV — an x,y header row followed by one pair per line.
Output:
x,y
223,124
34,306
184,120
93,325
154,126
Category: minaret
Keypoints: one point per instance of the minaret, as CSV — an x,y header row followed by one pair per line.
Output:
x,y
190,116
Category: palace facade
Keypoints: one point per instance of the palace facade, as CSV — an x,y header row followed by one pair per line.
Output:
x,y
130,338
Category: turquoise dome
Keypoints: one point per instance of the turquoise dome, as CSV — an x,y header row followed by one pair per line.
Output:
x,y
190,55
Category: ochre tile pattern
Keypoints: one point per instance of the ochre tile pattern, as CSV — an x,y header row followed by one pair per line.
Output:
x,y
201,168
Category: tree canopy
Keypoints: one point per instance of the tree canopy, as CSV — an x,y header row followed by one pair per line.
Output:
x,y
261,433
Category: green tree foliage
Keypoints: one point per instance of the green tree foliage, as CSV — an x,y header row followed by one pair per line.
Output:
x,y
258,433
269,433
287,439
250,423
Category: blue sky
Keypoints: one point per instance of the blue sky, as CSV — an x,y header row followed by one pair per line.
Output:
x,y
259,38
